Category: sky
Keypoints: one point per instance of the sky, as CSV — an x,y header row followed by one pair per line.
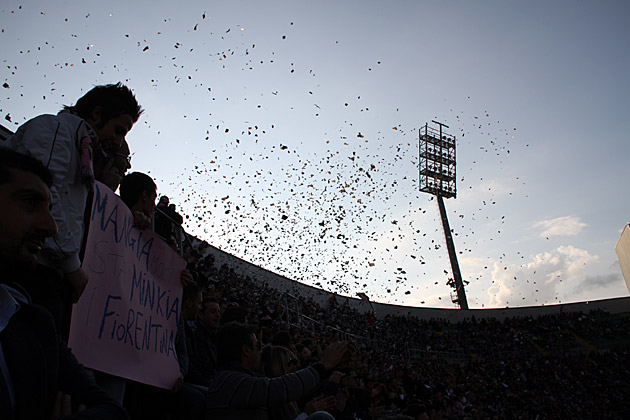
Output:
x,y
287,132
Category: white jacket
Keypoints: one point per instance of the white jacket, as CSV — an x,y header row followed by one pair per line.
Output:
x,y
55,140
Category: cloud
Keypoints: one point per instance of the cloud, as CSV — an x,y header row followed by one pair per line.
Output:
x,y
561,226
596,282
543,280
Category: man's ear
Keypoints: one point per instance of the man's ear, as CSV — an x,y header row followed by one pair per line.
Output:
x,y
95,117
245,349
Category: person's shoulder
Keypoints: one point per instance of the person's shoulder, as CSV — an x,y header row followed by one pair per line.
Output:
x,y
42,118
40,121
62,117
47,124
39,134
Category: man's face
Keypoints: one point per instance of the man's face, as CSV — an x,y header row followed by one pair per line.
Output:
x,y
112,133
25,219
211,315
122,158
148,203
110,168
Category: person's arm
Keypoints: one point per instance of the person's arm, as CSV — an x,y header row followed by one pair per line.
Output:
x,y
238,390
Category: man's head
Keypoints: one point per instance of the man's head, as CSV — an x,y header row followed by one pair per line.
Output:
x,y
110,168
138,192
25,218
111,110
191,301
210,314
238,342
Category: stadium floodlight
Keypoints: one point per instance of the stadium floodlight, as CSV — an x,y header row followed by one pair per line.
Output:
x,y
438,177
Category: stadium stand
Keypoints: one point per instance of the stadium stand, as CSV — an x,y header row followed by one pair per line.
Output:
x,y
562,362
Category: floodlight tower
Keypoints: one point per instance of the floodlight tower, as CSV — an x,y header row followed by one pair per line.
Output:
x,y
438,177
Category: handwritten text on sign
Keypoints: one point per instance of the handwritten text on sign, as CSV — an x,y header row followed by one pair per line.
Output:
x,y
125,323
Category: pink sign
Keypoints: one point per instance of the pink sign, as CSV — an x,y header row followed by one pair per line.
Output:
x,y
125,323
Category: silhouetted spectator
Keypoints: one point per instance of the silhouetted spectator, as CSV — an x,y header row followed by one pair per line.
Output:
x,y
68,143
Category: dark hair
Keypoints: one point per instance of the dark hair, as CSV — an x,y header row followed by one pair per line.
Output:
x,y
234,313
132,186
191,290
231,338
10,159
207,301
116,100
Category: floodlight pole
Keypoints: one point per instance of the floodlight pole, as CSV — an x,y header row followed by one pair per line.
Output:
x,y
438,178
450,245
